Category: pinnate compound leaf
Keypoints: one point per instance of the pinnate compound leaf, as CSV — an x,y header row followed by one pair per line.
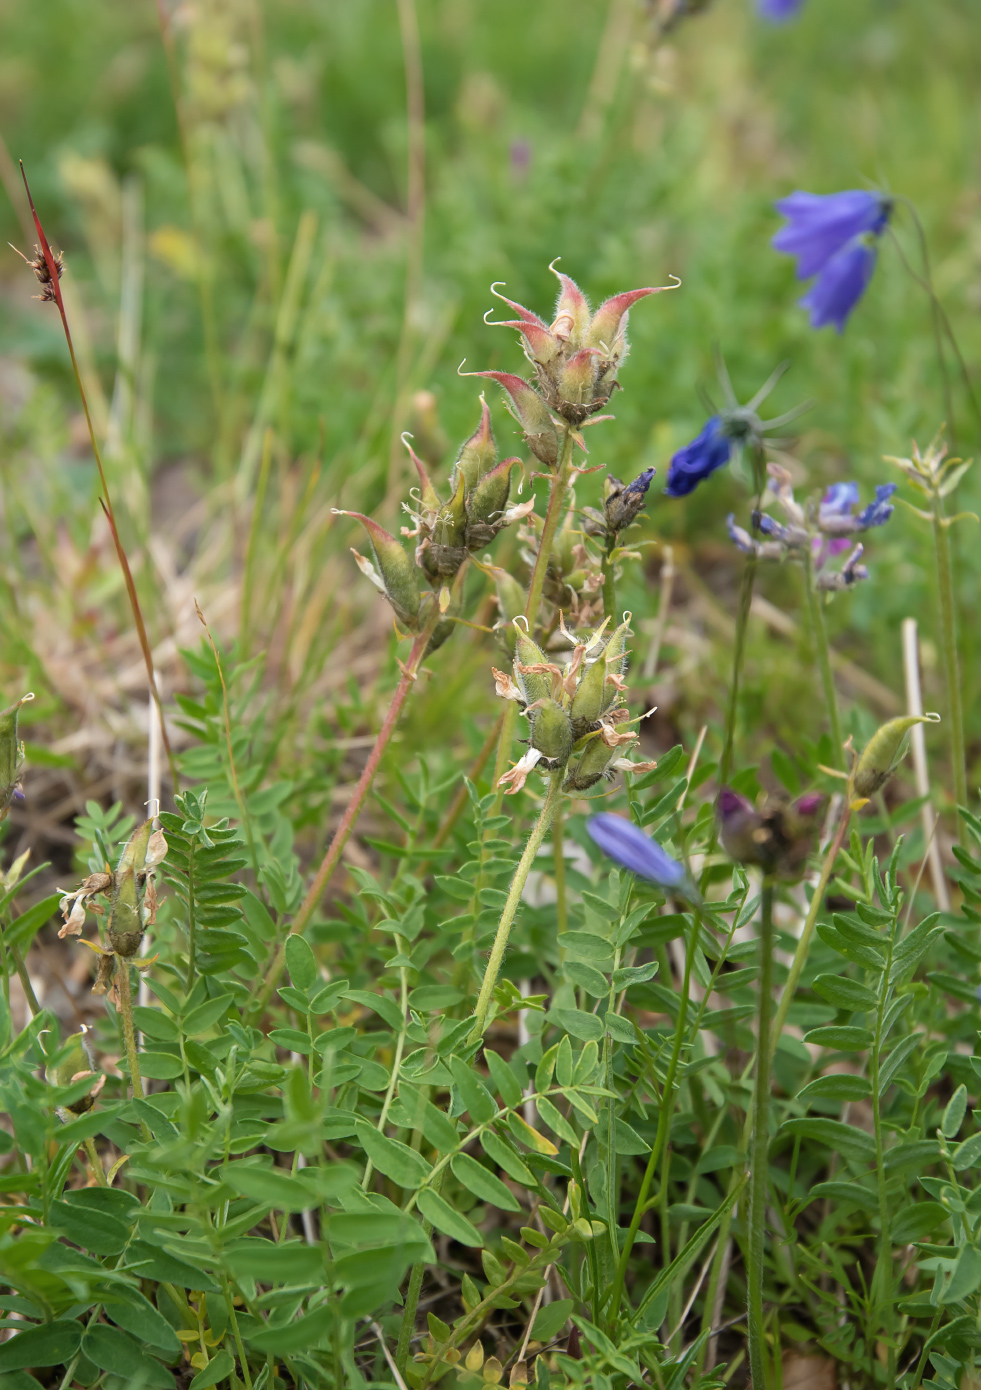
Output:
x,y
437,1210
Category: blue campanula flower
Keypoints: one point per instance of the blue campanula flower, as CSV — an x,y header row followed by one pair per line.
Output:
x,y
820,224
840,284
832,235
627,844
778,11
709,450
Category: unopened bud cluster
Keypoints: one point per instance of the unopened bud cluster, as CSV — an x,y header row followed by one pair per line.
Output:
x,y
477,508
128,897
573,709
575,359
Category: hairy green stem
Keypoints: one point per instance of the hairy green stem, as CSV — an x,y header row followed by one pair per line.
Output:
x,y
738,655
948,638
556,502
412,1293
665,1112
609,583
129,1034
810,922
759,1155
98,1172
823,654
558,855
527,859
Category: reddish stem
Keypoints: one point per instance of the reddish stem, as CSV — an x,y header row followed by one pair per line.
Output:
x,y
343,832
54,278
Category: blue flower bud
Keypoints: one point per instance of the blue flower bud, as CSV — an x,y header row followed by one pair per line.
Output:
x,y
628,846
708,451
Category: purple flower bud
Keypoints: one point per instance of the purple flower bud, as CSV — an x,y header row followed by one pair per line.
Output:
x,y
778,837
838,501
627,844
708,451
643,481
879,511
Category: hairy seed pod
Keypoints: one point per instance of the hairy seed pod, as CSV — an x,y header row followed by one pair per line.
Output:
x,y
551,732
590,698
587,767
884,750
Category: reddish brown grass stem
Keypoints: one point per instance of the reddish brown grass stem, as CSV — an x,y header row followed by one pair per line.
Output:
x,y
343,832
54,276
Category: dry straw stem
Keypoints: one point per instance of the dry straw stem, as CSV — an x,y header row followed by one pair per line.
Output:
x,y
54,275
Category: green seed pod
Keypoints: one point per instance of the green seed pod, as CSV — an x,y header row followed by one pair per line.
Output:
x,y
615,660
586,768
487,501
477,455
884,750
448,544
551,732
11,754
76,1061
125,924
589,700
533,686
512,598
397,570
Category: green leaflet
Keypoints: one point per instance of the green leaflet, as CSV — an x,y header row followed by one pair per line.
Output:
x,y
483,1183
452,1223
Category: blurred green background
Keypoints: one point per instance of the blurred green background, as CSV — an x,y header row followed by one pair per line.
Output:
x,y
236,185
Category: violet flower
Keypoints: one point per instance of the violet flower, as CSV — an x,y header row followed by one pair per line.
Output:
x,y
832,235
840,285
629,847
708,451
779,11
